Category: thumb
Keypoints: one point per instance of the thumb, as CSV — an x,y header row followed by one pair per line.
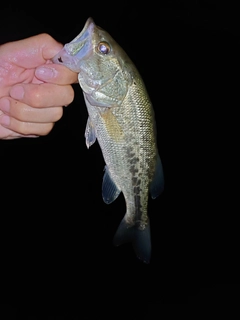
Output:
x,y
55,73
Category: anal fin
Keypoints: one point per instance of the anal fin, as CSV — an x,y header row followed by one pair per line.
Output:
x,y
110,191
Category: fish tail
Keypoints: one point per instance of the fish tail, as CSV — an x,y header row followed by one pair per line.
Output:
x,y
140,239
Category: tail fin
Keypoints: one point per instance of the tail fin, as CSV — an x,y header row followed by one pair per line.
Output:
x,y
140,239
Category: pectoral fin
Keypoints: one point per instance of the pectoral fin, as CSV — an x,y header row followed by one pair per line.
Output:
x,y
109,189
157,184
90,134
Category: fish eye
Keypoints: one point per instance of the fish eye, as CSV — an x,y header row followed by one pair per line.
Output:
x,y
104,47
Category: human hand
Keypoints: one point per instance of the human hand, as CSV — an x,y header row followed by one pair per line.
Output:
x,y
33,90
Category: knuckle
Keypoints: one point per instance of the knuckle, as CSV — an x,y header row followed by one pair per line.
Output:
x,y
45,36
59,113
47,129
56,113
69,95
35,97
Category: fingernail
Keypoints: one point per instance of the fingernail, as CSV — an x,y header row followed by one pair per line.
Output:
x,y
5,105
44,73
5,120
17,92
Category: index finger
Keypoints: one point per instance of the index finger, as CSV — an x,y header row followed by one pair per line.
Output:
x,y
31,52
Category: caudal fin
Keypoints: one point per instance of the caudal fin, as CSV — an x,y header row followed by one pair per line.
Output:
x,y
140,239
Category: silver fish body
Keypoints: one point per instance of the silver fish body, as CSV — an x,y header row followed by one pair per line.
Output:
x,y
121,118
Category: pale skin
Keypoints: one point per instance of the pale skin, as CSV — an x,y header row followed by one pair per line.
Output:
x,y
33,90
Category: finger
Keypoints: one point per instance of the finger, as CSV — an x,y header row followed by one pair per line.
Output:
x,y
25,113
31,52
56,73
25,128
43,95
7,134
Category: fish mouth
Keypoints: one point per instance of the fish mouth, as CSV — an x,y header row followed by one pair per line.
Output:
x,y
81,37
88,25
78,49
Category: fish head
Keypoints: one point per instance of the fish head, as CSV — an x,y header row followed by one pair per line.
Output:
x,y
100,62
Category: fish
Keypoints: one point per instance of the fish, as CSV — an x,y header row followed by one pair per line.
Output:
x,y
121,119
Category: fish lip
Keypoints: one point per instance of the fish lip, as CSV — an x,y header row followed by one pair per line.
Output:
x,y
81,39
78,49
89,22
88,27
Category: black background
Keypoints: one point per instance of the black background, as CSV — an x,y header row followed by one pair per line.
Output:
x,y
56,231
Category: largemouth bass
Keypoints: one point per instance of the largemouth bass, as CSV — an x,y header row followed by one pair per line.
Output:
x,y
121,118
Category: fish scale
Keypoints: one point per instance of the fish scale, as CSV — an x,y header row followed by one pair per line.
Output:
x,y
121,119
